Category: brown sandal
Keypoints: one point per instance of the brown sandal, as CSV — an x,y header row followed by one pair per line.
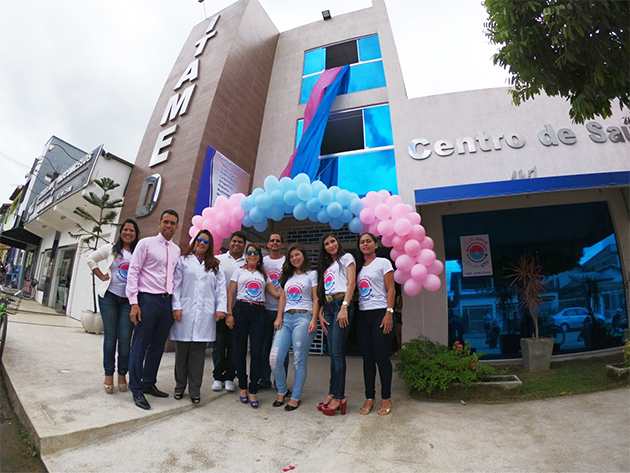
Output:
x,y
109,388
367,407
384,411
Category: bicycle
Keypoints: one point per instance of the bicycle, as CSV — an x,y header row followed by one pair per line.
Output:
x,y
28,291
552,331
9,305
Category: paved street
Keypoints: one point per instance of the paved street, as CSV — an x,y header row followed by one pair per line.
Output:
x,y
55,370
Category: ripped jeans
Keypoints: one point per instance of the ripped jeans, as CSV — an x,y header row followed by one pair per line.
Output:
x,y
294,331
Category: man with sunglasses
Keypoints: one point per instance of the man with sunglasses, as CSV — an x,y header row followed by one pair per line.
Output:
x,y
272,264
222,351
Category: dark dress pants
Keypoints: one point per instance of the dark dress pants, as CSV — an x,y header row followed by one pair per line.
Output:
x,y
222,353
249,323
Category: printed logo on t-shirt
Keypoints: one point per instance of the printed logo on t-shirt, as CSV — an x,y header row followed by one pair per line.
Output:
x,y
294,293
365,288
274,275
253,289
329,281
123,269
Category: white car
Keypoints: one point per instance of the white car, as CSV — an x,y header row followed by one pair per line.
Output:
x,y
572,318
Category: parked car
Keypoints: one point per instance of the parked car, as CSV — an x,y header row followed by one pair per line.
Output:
x,y
572,318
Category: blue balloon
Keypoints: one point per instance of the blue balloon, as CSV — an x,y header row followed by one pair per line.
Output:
x,y
247,222
258,191
336,224
313,205
325,197
318,186
277,197
355,225
300,212
286,184
247,203
356,205
322,216
301,179
291,198
313,217
343,197
271,183
304,192
288,209
346,216
263,201
334,189
334,209
275,213
257,215
261,226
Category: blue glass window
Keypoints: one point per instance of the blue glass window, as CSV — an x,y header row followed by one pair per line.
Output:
x,y
299,132
368,171
314,61
307,86
369,48
378,127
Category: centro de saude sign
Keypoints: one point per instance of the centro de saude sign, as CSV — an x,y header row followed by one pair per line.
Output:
x,y
418,148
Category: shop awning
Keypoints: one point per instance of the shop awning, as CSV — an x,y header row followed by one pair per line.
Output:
x,y
521,186
19,238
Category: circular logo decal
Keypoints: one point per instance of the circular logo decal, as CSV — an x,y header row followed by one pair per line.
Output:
x,y
253,289
274,275
329,281
123,269
477,252
365,288
294,294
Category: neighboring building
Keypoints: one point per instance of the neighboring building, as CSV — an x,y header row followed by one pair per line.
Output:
x,y
471,162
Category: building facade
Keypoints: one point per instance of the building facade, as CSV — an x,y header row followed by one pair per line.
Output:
x,y
491,181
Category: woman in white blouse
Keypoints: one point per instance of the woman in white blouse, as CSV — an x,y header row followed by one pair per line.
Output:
x,y
199,300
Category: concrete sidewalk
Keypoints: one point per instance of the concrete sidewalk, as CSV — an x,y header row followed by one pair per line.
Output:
x,y
53,371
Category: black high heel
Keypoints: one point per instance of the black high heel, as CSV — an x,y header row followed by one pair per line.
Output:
x,y
290,408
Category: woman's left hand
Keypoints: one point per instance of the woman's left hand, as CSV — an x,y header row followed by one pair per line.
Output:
x,y
387,323
218,316
312,326
177,315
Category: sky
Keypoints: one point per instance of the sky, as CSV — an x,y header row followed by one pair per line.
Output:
x,y
90,72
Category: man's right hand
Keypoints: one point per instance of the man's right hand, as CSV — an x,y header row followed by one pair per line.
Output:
x,y
134,315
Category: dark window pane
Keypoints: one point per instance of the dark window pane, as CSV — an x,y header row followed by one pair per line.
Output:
x,y
341,54
344,132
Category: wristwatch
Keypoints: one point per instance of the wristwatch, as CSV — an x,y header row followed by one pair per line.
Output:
x,y
390,310
345,303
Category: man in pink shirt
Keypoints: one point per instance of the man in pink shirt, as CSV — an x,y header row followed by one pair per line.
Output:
x,y
150,289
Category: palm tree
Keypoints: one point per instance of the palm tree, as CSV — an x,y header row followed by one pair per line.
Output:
x,y
527,275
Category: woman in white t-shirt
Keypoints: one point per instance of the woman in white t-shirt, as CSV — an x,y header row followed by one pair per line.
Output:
x,y
247,319
375,322
113,302
296,323
335,286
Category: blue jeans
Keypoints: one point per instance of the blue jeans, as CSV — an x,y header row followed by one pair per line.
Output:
x,y
265,368
294,330
118,328
337,338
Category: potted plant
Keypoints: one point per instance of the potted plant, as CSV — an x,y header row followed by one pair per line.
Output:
x,y
104,216
527,276
621,370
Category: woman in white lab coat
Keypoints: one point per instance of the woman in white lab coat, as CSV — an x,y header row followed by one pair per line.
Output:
x,y
199,300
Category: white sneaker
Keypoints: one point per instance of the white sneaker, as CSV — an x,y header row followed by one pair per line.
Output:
x,y
229,386
217,385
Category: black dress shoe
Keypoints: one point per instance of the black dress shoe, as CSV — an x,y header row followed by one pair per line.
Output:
x,y
141,401
289,407
154,391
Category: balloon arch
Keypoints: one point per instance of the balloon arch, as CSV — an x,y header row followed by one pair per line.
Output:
x,y
379,213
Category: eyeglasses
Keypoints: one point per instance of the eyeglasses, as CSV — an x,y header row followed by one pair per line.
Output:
x,y
203,240
275,241
253,253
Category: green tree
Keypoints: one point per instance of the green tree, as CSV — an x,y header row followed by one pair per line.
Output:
x,y
578,49
106,215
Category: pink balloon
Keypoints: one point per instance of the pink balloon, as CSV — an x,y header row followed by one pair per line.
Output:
x,y
367,216
382,211
373,228
398,242
220,201
393,200
414,218
426,257
224,218
399,210
413,247
386,240
372,199
386,227
237,213
384,195
419,272
400,276
412,287
405,262
402,227
206,213
208,224
411,208
236,198
193,231
432,282
427,243
197,220
394,254
417,232
436,268
235,225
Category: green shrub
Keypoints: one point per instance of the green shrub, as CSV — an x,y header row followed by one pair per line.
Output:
x,y
626,353
426,365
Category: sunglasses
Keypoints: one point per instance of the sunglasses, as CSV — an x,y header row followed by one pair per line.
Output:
x,y
252,253
203,240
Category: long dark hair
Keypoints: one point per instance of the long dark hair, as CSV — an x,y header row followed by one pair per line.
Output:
x,y
118,246
210,262
259,265
360,256
324,260
288,269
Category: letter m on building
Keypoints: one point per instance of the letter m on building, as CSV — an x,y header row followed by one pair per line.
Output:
x,y
177,105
